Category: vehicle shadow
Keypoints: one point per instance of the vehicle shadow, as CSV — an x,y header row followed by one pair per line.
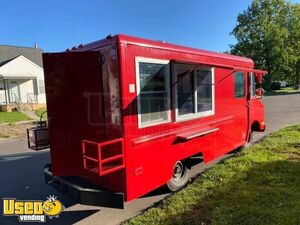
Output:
x,y
197,168
273,93
22,178
266,192
65,218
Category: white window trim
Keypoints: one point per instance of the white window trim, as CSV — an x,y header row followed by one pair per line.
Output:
x,y
252,76
157,61
196,115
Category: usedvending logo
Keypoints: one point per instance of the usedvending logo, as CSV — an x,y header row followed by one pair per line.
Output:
x,y
32,210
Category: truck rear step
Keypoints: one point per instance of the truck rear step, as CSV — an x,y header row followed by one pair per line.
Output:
x,y
83,191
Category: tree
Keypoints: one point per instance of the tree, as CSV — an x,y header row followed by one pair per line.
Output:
x,y
295,42
228,52
263,33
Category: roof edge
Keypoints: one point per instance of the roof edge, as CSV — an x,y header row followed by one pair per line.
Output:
x,y
127,39
162,44
16,46
25,58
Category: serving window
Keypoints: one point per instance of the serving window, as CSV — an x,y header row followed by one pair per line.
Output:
x,y
153,91
194,91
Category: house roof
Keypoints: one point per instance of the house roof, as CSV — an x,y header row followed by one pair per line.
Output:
x,y
6,61
11,69
8,53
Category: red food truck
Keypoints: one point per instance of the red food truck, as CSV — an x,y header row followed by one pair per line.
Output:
x,y
127,115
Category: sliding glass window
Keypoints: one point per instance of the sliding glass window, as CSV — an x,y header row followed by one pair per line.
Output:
x,y
194,91
153,94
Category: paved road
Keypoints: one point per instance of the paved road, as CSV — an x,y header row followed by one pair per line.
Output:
x,y
281,111
21,174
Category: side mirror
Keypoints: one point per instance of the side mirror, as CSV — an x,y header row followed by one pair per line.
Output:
x,y
259,92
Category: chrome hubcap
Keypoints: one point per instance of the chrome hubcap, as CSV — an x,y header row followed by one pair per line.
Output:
x,y
178,171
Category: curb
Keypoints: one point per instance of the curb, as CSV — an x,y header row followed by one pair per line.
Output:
x,y
25,122
20,122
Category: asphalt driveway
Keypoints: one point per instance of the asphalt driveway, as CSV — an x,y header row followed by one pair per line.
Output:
x,y
21,174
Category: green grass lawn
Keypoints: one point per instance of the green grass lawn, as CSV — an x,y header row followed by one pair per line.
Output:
x,y
261,185
40,111
287,90
283,91
12,117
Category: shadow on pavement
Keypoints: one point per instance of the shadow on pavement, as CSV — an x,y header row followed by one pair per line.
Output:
x,y
22,178
65,218
273,93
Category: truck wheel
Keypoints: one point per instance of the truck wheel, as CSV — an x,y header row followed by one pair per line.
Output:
x,y
249,141
181,175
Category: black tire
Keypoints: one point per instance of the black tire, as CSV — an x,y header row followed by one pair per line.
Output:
x,y
181,175
249,141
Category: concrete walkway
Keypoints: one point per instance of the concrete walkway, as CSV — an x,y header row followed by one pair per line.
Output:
x,y
15,147
32,115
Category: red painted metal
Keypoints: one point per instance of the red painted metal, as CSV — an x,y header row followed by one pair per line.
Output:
x,y
91,107
99,164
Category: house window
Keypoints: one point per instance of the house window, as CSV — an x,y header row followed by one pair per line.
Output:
x,y
153,92
194,91
239,85
35,87
41,87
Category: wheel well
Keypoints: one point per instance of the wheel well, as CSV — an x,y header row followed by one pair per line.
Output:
x,y
193,160
255,126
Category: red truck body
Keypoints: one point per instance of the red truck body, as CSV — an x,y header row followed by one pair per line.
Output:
x,y
123,110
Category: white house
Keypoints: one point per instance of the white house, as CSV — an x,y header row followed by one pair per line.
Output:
x,y
21,78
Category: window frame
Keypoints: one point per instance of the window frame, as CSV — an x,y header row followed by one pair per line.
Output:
x,y
40,81
196,114
138,60
245,83
252,85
